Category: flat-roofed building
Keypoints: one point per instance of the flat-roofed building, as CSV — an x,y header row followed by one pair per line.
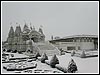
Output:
x,y
77,42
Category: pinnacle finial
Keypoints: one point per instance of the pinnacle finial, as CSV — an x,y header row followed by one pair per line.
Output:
x,y
30,26
40,29
16,22
41,26
33,27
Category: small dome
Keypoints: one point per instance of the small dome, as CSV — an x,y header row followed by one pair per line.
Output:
x,y
30,42
24,31
34,33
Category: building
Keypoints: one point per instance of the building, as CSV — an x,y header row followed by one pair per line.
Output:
x,y
17,40
77,42
28,40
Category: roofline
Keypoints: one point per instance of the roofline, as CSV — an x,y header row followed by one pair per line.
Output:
x,y
76,36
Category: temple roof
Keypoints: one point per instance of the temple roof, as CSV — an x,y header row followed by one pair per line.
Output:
x,y
26,29
17,31
73,36
11,32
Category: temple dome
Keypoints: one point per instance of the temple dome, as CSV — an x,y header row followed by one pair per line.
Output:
x,y
30,42
34,32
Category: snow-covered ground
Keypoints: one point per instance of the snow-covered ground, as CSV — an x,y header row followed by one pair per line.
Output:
x,y
16,55
41,67
84,65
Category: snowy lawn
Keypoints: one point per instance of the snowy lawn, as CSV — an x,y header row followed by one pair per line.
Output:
x,y
84,65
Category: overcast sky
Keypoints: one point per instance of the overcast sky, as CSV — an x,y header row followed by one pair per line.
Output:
x,y
57,18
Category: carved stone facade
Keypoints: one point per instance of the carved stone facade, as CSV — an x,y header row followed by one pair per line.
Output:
x,y
18,40
29,41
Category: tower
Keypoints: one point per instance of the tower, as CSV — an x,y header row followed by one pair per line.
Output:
x,y
11,32
25,36
17,38
40,29
10,38
26,29
17,31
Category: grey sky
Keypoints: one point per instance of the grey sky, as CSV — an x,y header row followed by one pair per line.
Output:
x,y
57,18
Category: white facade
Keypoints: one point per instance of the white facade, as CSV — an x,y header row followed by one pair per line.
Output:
x,y
80,42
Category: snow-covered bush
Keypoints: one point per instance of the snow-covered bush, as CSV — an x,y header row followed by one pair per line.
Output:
x,y
72,53
63,53
12,55
72,68
20,52
39,58
83,55
37,54
9,50
54,61
14,51
47,62
44,57
61,68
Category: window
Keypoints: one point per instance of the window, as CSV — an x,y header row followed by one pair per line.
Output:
x,y
74,40
84,39
90,40
70,40
78,47
71,48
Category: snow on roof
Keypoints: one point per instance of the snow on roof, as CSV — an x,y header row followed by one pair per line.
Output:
x,y
73,36
77,36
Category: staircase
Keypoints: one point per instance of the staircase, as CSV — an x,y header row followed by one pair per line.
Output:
x,y
48,48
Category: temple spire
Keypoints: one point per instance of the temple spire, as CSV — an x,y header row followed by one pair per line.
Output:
x,y
19,28
26,29
40,29
30,26
33,28
11,32
17,31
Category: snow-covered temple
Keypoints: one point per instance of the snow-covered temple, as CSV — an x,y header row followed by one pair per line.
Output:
x,y
29,40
